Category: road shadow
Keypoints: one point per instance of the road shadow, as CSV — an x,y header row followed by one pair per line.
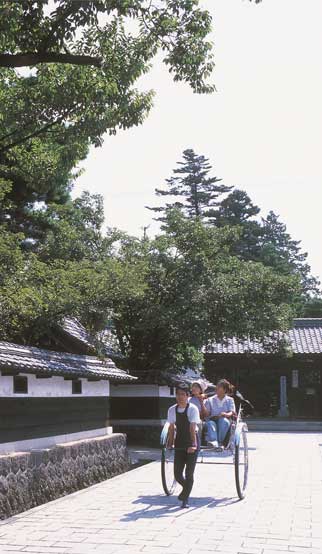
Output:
x,y
164,506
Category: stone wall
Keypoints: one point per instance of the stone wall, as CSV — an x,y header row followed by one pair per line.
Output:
x,y
32,478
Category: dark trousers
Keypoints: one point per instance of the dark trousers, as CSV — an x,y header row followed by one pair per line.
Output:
x,y
184,460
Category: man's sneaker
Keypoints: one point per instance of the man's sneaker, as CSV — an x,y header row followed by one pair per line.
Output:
x,y
212,444
185,504
219,448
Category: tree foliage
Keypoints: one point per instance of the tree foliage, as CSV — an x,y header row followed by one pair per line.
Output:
x,y
196,292
193,191
235,209
313,307
167,297
201,278
264,240
52,112
85,280
86,57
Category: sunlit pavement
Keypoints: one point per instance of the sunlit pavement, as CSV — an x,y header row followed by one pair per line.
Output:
x,y
129,514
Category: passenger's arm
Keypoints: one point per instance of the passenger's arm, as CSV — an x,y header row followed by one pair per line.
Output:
x,y
226,414
203,410
207,408
231,410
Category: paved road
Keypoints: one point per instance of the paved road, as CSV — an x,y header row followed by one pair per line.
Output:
x,y
129,514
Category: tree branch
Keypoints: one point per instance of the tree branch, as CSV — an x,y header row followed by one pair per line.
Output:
x,y
60,19
34,58
30,136
8,135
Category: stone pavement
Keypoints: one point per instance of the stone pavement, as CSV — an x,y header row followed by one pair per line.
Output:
x,y
129,514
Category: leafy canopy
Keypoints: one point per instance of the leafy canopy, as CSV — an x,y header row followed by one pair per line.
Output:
x,y
71,271
167,297
195,292
86,57
196,194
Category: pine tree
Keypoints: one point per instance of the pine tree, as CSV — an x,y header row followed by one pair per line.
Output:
x,y
280,251
236,209
196,190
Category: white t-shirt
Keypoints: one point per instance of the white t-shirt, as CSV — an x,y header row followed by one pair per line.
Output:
x,y
192,413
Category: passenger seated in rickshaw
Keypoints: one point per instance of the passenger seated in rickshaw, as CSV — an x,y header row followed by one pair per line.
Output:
x,y
220,408
198,397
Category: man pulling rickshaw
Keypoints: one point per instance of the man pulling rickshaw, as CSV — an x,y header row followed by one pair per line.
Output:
x,y
181,438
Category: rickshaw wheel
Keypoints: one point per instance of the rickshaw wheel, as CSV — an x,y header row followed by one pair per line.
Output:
x,y
241,464
167,464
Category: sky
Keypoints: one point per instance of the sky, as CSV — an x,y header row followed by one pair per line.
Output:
x,y
261,130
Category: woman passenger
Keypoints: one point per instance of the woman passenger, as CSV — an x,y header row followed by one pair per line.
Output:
x,y
219,409
198,397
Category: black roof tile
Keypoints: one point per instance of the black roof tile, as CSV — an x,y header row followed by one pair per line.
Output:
x,y
304,338
30,359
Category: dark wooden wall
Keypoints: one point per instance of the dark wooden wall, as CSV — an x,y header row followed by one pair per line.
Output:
x,y
258,378
29,418
146,407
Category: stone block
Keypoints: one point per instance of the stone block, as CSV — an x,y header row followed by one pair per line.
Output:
x,y
30,479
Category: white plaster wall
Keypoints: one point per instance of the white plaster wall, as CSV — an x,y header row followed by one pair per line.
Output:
x,y
53,387
95,388
165,391
134,390
47,442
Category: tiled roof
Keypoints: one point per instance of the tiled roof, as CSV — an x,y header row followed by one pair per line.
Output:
x,y
188,376
29,359
304,338
76,331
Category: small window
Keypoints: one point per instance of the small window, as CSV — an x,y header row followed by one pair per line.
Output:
x,y
77,387
171,391
20,384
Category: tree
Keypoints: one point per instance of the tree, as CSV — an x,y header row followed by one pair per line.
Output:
x,y
34,36
197,192
37,175
280,251
73,231
50,116
38,291
312,308
60,263
86,57
167,297
265,240
236,209
196,292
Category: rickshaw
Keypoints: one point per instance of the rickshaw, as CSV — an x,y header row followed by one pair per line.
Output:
x,y
235,449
